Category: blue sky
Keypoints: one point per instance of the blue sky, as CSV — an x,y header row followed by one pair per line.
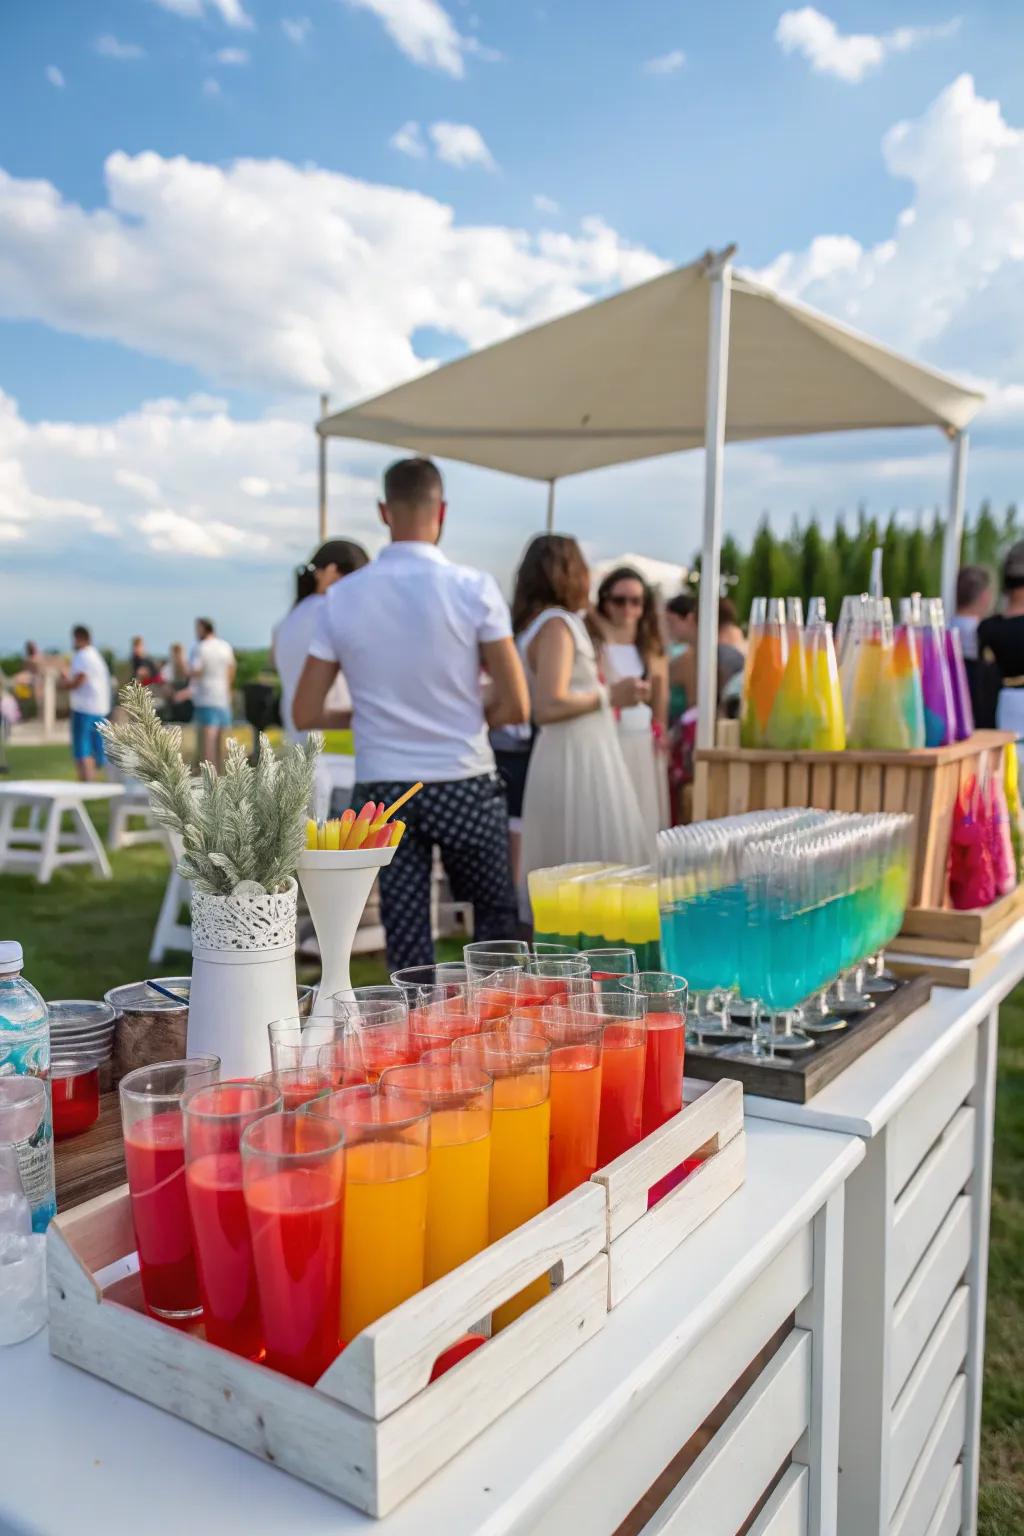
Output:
x,y
211,209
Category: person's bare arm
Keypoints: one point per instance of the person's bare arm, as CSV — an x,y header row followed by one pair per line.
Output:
x,y
657,673
682,673
551,656
506,698
309,706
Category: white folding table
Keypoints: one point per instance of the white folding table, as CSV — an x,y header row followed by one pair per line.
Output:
x,y
914,1289
46,844
576,1454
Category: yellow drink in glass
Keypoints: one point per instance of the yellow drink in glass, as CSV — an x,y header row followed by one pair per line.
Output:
x,y
385,1225
458,1189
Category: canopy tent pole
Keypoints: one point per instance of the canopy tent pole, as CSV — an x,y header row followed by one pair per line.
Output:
x,y
953,540
549,526
325,401
719,274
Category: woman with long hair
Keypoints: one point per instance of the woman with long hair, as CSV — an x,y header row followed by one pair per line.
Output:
x,y
579,802
290,647
630,646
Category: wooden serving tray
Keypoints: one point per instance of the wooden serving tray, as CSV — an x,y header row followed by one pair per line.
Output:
x,y
798,1078
375,1426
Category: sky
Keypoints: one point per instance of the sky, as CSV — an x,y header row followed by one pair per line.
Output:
x,y
211,211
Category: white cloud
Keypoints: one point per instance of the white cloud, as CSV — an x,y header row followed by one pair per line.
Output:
x,y
848,56
55,76
347,271
545,204
232,56
460,144
211,87
408,140
948,283
296,28
666,63
112,48
169,532
425,33
231,12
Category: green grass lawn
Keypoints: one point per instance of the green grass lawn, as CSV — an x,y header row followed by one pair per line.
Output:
x,y
82,935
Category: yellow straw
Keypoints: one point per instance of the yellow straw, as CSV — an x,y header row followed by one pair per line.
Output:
x,y
398,804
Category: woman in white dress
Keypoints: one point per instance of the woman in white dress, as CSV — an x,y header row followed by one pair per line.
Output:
x,y
631,646
579,803
290,647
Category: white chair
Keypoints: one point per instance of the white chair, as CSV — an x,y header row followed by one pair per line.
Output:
x,y
170,932
133,806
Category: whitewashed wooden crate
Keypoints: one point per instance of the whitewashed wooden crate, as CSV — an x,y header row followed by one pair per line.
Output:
x,y
374,1427
640,1238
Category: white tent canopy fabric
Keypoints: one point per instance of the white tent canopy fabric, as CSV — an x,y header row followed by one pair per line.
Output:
x,y
698,357
625,379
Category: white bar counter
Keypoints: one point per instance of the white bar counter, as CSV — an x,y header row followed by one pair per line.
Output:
x,y
916,1256
81,1458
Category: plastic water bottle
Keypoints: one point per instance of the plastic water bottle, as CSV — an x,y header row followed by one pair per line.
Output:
x,y
25,1050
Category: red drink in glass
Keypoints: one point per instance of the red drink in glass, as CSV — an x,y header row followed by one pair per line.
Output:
x,y
231,1306
294,1171
154,1154
663,1071
622,1089
75,1096
295,1219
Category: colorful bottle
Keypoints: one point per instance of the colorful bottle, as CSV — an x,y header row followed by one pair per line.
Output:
x,y
825,696
25,1049
767,654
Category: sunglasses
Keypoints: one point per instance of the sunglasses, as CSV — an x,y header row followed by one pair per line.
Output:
x,y
625,602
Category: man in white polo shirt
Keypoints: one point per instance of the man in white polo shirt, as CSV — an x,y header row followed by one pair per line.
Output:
x,y
412,632
89,681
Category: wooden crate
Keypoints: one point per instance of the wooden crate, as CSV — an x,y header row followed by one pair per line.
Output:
x,y
374,1427
640,1238
731,779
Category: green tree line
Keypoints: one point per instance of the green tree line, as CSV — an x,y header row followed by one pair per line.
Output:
x,y
811,562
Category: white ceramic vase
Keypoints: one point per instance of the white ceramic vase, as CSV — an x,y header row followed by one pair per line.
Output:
x,y
336,886
243,975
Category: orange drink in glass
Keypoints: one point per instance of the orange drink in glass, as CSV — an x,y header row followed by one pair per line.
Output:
x,y
460,1104
575,1041
387,1141
520,1067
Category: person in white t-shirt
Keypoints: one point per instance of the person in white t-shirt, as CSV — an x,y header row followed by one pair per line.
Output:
x,y
412,632
88,679
211,665
290,644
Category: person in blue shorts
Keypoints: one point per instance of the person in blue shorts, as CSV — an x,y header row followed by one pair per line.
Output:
x,y
212,669
89,681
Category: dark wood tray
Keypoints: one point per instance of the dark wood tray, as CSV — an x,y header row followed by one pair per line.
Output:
x,y
798,1078
92,1163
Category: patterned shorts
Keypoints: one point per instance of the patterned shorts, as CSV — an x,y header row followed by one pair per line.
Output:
x,y
467,821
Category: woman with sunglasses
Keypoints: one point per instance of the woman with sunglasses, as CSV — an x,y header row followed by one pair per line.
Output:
x,y
631,647
579,803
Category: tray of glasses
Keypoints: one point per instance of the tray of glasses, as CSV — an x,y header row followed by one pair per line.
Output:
x,y
798,1077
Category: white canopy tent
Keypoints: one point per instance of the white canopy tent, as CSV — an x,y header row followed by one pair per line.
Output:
x,y
697,357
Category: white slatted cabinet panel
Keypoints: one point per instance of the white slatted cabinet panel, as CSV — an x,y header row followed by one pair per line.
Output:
x,y
920,1501
920,1122
922,1206
928,1290
785,1513
914,1410
947,1516
733,1471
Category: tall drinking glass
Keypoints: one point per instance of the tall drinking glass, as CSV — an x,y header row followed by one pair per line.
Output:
x,y
215,1116
387,1142
607,966
575,1090
294,1041
623,1063
154,1154
460,1101
520,1068
666,1042
293,1166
